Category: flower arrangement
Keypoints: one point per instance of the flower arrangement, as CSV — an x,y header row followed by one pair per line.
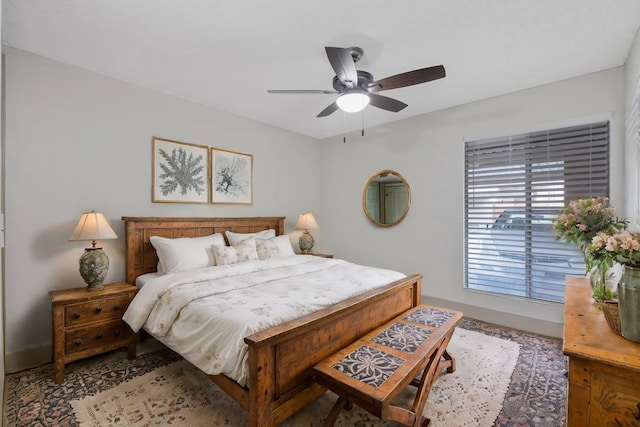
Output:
x,y
582,219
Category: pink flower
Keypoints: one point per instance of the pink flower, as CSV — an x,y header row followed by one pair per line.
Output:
x,y
598,240
622,246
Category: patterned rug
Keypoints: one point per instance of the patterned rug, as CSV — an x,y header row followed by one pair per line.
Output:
x,y
535,396
180,394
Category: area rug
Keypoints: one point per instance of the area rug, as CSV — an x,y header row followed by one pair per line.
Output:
x,y
536,397
179,394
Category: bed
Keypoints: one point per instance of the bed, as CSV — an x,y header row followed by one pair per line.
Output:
x,y
280,358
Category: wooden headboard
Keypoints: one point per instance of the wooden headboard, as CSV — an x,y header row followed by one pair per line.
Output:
x,y
141,256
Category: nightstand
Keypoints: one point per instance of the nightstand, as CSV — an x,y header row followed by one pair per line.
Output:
x,y
86,323
321,255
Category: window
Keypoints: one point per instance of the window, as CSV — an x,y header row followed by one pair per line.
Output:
x,y
514,187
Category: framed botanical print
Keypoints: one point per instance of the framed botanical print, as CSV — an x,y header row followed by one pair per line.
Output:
x,y
180,172
231,177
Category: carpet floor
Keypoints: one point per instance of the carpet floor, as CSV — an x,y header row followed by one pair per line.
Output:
x,y
536,395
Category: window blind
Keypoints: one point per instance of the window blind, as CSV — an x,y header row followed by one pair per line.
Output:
x,y
514,188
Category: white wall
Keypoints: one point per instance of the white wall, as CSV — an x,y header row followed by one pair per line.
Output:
x,y
429,152
631,83
76,140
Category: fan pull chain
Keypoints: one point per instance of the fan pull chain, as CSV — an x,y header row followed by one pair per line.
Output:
x,y
344,126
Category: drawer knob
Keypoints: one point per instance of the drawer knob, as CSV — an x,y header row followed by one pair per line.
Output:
x,y
99,335
78,341
76,315
117,332
98,309
116,307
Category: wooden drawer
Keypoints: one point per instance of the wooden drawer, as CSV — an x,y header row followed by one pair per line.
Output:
x,y
615,399
103,334
94,311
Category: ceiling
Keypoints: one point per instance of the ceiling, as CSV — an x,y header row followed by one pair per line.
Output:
x,y
226,54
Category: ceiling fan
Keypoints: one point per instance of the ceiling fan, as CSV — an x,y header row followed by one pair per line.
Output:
x,y
357,87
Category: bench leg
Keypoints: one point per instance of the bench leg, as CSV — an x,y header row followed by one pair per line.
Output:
x,y
431,371
449,363
433,367
335,411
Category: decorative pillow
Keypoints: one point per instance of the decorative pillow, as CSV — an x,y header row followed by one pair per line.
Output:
x,y
235,238
185,253
276,247
242,252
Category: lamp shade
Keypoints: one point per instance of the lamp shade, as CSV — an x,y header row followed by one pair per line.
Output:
x,y
92,226
306,221
353,101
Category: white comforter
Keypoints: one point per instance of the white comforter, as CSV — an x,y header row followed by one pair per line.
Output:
x,y
205,314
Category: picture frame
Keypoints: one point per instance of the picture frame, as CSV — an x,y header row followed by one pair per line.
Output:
x,y
231,177
180,172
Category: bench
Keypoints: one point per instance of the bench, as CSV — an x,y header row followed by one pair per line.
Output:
x,y
372,371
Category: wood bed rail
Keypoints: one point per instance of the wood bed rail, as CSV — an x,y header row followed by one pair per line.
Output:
x,y
318,318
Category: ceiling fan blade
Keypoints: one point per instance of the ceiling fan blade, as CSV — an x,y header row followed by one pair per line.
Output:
x,y
409,78
386,103
342,63
330,109
294,91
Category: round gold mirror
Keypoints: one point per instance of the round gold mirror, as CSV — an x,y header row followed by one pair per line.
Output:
x,y
386,198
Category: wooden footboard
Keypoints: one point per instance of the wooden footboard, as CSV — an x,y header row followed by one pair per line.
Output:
x,y
281,358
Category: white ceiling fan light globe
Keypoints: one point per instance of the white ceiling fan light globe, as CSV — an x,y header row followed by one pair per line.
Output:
x,y
352,102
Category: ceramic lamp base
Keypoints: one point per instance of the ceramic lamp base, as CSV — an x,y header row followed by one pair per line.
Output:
x,y
306,242
94,266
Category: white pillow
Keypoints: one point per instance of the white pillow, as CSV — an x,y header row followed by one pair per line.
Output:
x,y
243,252
185,253
235,238
276,247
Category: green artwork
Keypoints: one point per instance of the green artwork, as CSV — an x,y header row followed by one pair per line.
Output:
x,y
181,172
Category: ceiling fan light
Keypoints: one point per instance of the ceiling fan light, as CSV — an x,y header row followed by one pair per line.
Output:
x,y
352,102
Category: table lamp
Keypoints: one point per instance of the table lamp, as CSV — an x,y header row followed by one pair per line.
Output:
x,y
94,263
305,222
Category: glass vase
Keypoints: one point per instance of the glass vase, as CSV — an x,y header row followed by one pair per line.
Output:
x,y
629,303
604,281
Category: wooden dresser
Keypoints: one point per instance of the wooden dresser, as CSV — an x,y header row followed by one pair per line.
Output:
x,y
86,323
604,368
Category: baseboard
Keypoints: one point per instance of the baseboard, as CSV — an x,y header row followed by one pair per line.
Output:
x,y
27,359
510,320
